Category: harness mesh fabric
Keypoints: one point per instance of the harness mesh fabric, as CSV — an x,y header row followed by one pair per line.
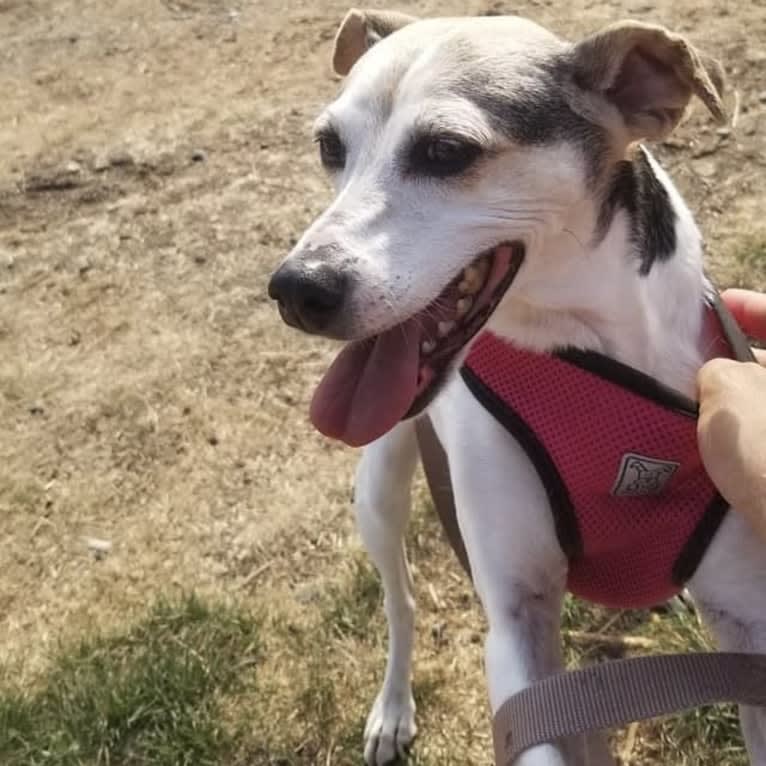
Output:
x,y
636,508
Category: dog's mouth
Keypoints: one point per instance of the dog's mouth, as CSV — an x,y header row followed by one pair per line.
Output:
x,y
376,382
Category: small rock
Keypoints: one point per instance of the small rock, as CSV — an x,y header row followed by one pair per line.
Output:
x,y
200,259
705,167
762,96
54,179
98,547
74,338
120,158
36,409
212,440
199,155
101,164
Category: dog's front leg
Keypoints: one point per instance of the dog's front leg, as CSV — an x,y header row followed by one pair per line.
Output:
x,y
729,588
518,567
382,504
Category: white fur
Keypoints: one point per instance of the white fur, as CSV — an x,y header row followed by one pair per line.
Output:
x,y
411,239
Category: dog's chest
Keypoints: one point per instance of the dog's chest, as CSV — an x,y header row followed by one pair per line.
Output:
x,y
633,506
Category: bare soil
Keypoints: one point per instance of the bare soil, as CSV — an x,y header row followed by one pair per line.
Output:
x,y
155,165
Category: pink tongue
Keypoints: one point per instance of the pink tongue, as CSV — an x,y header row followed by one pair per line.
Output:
x,y
369,387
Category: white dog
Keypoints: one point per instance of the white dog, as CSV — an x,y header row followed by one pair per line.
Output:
x,y
489,172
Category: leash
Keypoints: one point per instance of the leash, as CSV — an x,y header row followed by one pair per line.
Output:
x,y
618,692
612,693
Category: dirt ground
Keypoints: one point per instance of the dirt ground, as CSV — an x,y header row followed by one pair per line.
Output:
x,y
155,165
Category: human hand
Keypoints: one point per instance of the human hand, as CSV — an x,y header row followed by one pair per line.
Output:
x,y
731,429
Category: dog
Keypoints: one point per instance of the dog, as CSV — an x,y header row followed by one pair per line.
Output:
x,y
454,144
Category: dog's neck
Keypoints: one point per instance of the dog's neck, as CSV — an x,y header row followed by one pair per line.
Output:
x,y
601,301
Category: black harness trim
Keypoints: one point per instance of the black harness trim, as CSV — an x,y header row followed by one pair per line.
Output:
x,y
565,518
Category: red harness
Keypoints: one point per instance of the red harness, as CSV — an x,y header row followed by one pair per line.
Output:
x,y
617,452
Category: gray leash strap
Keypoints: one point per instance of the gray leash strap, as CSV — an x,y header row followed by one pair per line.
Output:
x,y
619,692
436,469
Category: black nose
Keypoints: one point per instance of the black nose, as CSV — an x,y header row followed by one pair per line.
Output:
x,y
310,295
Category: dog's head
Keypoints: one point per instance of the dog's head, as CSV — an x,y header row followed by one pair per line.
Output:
x,y
460,148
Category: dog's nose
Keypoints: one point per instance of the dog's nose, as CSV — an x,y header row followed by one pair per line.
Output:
x,y
310,295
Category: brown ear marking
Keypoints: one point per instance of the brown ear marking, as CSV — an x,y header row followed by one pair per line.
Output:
x,y
359,31
649,74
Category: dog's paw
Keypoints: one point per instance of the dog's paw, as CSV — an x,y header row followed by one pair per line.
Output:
x,y
390,729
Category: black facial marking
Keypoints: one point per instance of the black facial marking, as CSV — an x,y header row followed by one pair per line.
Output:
x,y
539,114
635,188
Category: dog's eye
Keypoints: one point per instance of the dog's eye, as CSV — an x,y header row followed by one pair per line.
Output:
x,y
441,157
331,150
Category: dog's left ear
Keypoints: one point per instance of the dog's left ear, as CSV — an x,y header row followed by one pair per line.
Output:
x,y
648,75
359,31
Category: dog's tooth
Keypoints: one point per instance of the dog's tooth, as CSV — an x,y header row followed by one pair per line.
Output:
x,y
472,280
463,306
445,328
482,267
427,346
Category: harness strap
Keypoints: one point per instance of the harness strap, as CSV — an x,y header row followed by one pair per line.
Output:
x,y
738,341
619,692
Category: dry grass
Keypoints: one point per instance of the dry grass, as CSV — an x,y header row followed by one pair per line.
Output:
x,y
150,397
206,683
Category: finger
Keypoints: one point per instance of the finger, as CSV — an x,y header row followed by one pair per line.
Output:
x,y
749,309
710,375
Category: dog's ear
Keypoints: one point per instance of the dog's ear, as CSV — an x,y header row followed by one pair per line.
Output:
x,y
648,75
359,31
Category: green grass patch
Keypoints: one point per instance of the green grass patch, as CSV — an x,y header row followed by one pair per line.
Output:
x,y
203,684
146,696
353,608
323,672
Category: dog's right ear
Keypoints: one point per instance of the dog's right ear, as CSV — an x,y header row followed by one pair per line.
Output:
x,y
359,31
